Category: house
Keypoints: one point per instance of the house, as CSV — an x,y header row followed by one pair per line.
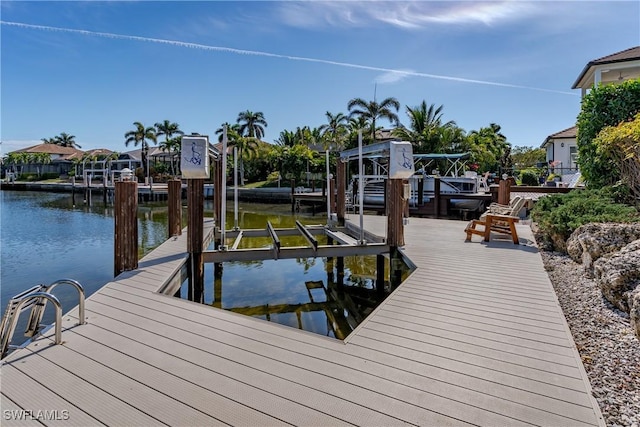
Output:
x,y
562,151
60,159
614,68
561,147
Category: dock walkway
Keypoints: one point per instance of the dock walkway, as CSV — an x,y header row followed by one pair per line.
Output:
x,y
475,336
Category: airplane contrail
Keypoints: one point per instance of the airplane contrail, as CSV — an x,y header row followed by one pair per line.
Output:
x,y
273,55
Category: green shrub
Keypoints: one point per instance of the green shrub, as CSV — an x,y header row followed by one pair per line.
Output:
x,y
559,215
529,178
604,105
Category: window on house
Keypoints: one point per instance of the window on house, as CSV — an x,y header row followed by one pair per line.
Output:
x,y
573,155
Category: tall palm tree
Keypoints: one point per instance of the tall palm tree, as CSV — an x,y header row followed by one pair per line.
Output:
x,y
252,124
335,131
251,131
168,129
244,144
140,135
373,110
66,140
425,128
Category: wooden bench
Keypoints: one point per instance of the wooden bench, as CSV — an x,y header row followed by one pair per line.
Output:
x,y
504,224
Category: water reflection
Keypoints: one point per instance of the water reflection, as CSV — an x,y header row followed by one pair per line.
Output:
x,y
327,296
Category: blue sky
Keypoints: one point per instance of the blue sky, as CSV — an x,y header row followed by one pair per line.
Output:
x,y
93,68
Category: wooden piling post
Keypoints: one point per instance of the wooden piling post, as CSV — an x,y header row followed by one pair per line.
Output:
x,y
395,208
293,195
126,227
504,192
175,207
421,191
341,188
332,195
395,226
195,236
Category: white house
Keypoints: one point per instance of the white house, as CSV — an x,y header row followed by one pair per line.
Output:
x,y
561,147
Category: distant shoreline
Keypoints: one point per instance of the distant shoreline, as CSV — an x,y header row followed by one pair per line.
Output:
x,y
267,195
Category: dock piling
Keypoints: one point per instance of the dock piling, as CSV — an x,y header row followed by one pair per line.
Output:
x,y
126,226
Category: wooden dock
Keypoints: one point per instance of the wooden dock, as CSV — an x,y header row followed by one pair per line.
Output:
x,y
475,336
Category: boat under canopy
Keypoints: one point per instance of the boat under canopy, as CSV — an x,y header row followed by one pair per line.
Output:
x,y
455,180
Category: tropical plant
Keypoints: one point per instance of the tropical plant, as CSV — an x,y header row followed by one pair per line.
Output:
x,y
170,144
527,157
251,124
426,129
66,140
622,144
140,135
355,126
335,131
604,105
39,159
372,111
489,148
287,138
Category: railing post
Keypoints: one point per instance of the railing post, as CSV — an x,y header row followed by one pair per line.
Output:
x,y
126,226
341,175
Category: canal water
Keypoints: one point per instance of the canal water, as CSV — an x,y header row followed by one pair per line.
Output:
x,y
46,238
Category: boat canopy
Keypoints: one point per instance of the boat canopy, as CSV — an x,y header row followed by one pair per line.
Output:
x,y
380,150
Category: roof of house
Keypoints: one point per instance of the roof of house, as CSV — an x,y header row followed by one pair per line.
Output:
x,y
65,153
631,54
569,133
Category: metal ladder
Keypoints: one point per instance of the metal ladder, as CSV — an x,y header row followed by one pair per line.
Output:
x,y
36,299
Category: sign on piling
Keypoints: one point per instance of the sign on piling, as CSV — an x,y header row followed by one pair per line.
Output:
x,y
194,163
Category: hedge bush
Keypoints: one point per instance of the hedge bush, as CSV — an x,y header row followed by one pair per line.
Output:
x,y
558,215
529,178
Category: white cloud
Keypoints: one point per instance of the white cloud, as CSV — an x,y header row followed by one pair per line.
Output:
x,y
393,76
9,146
408,15
272,55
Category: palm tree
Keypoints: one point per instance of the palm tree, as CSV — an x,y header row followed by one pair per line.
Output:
x,y
40,159
335,131
233,131
425,128
251,131
49,140
371,111
140,135
355,125
173,147
251,124
287,138
489,147
168,129
66,140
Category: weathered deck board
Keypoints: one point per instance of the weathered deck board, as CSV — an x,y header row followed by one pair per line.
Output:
x,y
475,336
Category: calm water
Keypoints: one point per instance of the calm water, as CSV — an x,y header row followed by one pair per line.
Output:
x,y
45,238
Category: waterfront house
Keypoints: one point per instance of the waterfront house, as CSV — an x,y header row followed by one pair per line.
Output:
x,y
42,159
561,147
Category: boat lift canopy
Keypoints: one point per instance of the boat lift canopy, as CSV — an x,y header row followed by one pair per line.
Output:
x,y
380,150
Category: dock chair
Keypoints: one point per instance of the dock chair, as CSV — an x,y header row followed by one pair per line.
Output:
x,y
498,221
